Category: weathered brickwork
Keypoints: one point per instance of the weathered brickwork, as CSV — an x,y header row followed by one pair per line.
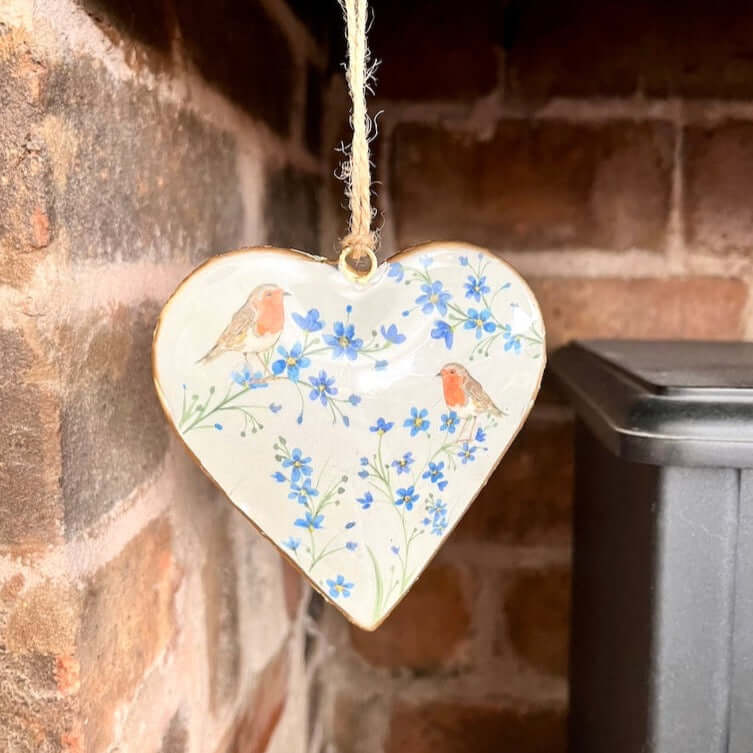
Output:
x,y
108,415
717,171
534,185
141,183
604,149
137,139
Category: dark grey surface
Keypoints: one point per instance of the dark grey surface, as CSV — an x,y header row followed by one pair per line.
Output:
x,y
682,403
662,626
741,712
696,523
655,597
614,559
673,366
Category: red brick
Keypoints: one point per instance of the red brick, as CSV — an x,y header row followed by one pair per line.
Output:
x,y
594,48
128,618
40,228
426,628
68,674
698,307
528,499
25,170
428,50
44,620
537,618
33,716
535,185
30,505
111,417
11,588
264,709
221,612
718,168
457,728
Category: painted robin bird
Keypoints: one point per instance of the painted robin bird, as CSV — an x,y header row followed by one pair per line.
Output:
x,y
465,395
255,326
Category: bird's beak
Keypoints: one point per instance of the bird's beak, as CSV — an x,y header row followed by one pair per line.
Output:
x,y
285,292
439,373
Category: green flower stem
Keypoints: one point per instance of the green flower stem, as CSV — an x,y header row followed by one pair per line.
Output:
x,y
496,293
373,347
231,398
384,474
321,473
536,338
379,583
300,397
482,346
419,275
389,593
333,403
446,449
326,499
386,488
183,408
458,311
325,553
313,546
225,401
331,407
406,543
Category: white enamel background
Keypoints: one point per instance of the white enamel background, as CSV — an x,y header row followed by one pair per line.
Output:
x,y
244,466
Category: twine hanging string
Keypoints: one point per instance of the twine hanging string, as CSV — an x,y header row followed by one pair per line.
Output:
x,y
359,244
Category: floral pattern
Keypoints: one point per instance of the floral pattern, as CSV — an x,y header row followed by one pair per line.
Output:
x,y
290,364
416,504
339,439
484,320
309,503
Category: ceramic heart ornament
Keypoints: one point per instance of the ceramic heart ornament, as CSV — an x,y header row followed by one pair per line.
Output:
x,y
352,424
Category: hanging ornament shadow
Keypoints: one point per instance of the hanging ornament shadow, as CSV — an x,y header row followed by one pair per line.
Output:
x,y
352,423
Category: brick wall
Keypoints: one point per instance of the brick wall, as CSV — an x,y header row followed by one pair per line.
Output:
x,y
138,611
606,151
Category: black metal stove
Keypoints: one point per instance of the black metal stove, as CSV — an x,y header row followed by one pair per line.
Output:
x,y
662,639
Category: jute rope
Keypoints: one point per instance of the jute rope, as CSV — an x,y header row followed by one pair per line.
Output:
x,y
360,242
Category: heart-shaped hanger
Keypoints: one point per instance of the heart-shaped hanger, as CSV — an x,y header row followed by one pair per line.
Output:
x,y
352,424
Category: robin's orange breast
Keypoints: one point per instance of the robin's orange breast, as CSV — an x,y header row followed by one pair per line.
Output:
x,y
271,319
454,394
